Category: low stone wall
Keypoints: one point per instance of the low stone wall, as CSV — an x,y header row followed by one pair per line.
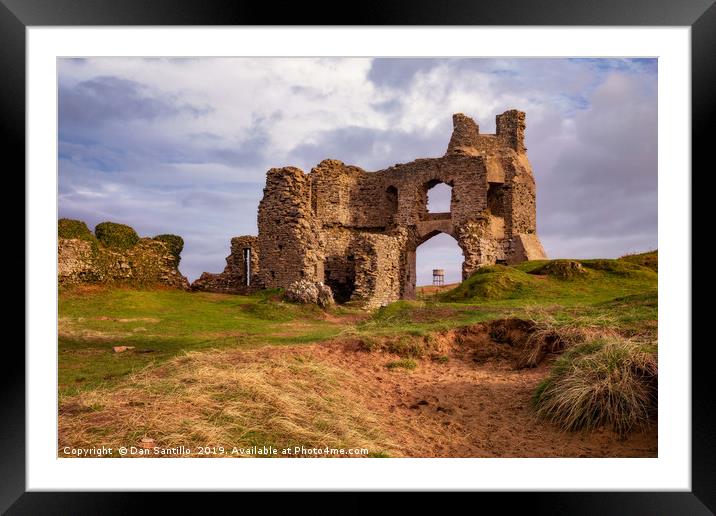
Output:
x,y
85,260
233,279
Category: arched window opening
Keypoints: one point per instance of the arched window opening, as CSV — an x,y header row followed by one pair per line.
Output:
x,y
439,198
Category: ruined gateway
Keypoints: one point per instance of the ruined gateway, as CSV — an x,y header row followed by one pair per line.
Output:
x,y
358,231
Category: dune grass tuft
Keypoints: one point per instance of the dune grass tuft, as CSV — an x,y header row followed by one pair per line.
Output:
x,y
601,382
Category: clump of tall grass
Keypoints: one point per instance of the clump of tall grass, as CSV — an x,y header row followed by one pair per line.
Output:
x,y
601,382
549,335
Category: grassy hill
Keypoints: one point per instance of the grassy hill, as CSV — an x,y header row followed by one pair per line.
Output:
x,y
187,342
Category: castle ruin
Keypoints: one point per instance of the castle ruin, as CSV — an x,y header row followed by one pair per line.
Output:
x,y
358,231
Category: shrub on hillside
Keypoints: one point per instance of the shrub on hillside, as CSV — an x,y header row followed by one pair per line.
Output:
x,y
610,382
70,228
112,234
175,243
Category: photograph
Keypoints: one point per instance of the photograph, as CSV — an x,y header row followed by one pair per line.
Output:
x,y
357,257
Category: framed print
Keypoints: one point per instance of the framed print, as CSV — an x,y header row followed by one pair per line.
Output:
x,y
428,241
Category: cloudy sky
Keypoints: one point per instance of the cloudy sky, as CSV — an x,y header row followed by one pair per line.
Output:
x,y
182,145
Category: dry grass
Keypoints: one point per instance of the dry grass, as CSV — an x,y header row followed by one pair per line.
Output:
x,y
408,346
601,382
227,399
548,335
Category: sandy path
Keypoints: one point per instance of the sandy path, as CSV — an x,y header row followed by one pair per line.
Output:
x,y
464,409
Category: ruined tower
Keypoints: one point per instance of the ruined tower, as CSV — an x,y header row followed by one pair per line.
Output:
x,y
358,231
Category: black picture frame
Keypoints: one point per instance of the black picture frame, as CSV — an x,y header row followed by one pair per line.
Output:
x,y
17,15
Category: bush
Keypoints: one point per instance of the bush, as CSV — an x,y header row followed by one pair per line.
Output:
x,y
601,382
112,234
70,228
175,243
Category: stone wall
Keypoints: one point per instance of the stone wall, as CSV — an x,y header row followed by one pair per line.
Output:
x,y
87,261
233,280
379,269
289,241
358,231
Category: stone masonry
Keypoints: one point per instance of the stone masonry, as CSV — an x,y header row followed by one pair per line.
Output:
x,y
238,268
358,231
149,262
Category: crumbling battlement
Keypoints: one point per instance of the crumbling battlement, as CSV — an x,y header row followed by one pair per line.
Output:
x,y
85,259
358,231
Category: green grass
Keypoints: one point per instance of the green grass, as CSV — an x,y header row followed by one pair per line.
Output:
x,y
518,286
403,363
649,259
610,292
491,283
184,383
161,324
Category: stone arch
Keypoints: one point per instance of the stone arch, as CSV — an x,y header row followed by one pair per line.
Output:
x,y
418,238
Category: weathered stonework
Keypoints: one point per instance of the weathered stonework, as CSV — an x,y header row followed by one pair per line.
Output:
x,y
148,262
358,231
234,278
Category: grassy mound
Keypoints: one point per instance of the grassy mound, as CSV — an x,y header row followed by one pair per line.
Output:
x,y
562,269
70,228
175,243
650,259
601,382
619,267
116,235
492,282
